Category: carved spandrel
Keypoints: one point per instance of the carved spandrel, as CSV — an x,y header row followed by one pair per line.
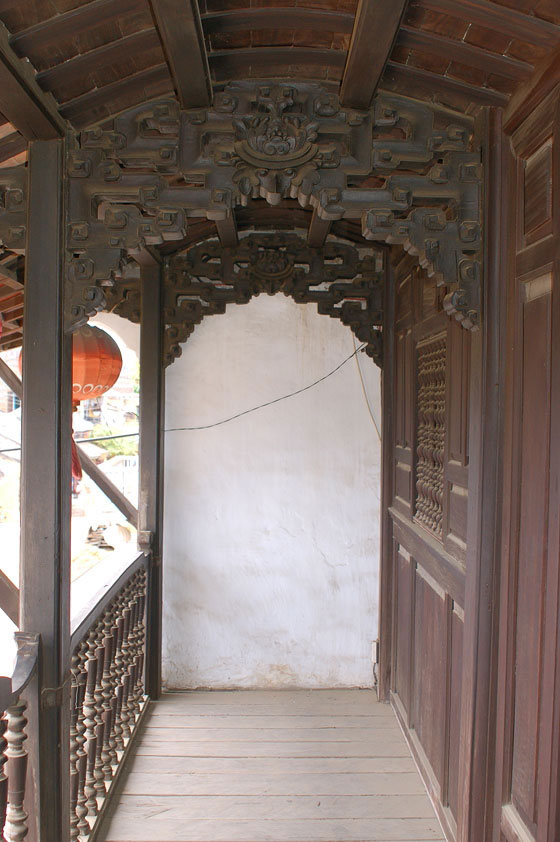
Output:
x,y
409,171
345,283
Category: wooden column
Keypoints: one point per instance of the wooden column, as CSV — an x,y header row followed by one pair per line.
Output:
x,y
46,492
150,499
387,552
484,516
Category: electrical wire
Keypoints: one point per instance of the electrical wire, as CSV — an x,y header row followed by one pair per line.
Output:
x,y
372,416
268,403
225,420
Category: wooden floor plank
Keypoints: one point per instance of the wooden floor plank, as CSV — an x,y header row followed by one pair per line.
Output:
x,y
151,760
274,807
271,766
291,830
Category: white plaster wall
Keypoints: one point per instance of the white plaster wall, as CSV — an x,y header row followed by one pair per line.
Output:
x,y
271,552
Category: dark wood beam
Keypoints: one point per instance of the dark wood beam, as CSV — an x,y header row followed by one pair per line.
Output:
x,y
152,426
79,110
375,30
318,230
182,39
23,103
227,231
503,19
9,598
525,100
416,81
12,144
86,63
45,489
240,20
460,51
272,60
82,19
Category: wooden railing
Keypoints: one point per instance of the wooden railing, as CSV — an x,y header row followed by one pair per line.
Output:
x,y
13,755
108,695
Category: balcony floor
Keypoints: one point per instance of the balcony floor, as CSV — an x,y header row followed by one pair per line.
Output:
x,y
284,766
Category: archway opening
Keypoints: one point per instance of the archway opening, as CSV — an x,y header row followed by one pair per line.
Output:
x,y
271,520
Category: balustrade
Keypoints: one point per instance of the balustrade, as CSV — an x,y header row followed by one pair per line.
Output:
x,y
108,696
13,754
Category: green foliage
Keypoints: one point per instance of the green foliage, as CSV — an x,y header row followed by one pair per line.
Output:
x,y
116,447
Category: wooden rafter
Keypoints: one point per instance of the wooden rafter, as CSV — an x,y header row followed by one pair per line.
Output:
x,y
503,19
182,39
415,79
375,30
9,598
318,230
227,231
225,63
24,104
314,20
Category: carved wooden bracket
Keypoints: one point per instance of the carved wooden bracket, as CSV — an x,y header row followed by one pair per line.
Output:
x,y
409,171
344,281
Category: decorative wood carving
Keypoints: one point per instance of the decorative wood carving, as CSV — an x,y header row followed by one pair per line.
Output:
x,y
13,208
430,432
345,282
409,171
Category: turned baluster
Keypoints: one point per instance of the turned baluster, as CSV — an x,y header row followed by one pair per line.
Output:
x,y
114,680
81,753
141,644
99,724
3,777
134,652
119,666
74,774
15,829
108,692
90,726
125,648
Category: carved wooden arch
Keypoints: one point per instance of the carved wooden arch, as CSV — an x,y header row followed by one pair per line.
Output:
x,y
409,171
344,281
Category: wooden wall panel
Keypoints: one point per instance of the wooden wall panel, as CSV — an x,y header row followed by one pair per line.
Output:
x,y
528,706
456,645
404,620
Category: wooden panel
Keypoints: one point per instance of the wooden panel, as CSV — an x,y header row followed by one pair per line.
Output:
x,y
430,655
537,205
404,617
531,575
453,779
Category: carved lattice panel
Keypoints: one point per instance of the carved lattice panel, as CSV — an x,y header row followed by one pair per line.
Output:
x,y
430,432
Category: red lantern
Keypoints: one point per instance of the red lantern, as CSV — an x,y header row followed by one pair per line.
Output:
x,y
96,365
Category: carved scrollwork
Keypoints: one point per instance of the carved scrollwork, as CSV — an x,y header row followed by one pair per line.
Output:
x,y
345,283
13,208
410,171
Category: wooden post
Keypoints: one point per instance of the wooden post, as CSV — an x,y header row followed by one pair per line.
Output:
x,y
387,554
150,498
46,493
484,516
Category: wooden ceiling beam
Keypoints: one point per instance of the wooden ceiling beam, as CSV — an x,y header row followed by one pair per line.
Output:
x,y
227,231
85,63
180,30
69,24
460,51
375,30
424,81
31,112
274,60
236,20
503,19
318,230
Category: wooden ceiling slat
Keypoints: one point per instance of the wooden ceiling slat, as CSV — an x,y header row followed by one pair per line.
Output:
x,y
79,109
501,18
10,145
182,38
417,39
375,30
275,60
291,17
91,61
25,105
416,81
69,24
